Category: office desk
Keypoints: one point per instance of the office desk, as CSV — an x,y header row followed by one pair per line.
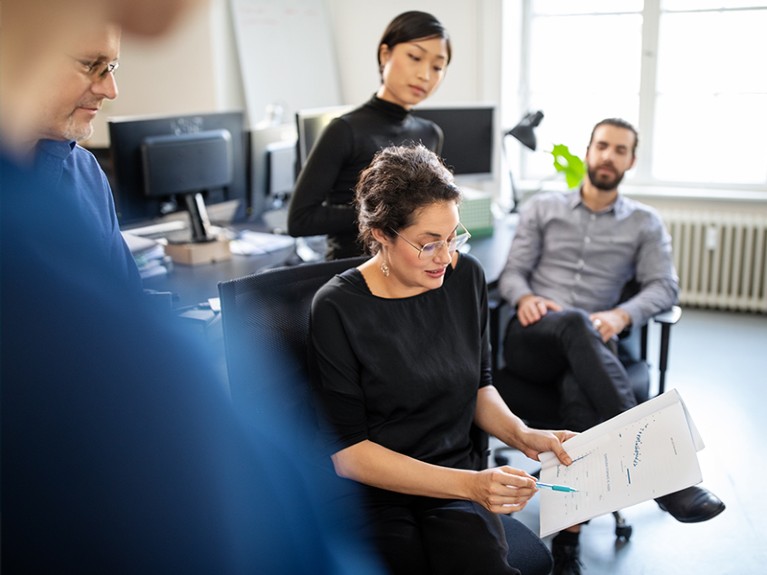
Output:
x,y
492,251
195,284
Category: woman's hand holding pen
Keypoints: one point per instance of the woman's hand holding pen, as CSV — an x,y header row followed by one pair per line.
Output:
x,y
503,489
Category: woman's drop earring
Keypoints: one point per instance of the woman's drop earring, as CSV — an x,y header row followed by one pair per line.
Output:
x,y
385,269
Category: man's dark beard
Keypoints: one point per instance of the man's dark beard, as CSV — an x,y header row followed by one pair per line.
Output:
x,y
604,185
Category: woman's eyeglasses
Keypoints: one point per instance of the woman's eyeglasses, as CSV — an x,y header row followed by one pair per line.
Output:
x,y
433,248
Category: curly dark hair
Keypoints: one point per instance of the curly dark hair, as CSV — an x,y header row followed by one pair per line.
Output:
x,y
398,182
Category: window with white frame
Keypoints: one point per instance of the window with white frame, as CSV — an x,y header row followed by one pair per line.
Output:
x,y
690,74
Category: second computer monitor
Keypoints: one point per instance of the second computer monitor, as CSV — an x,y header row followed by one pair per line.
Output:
x,y
469,134
309,125
469,131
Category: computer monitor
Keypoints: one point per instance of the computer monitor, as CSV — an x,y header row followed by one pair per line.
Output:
x,y
184,152
272,160
469,132
188,165
309,125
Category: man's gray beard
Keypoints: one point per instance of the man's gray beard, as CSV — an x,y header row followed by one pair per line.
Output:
x,y
79,135
83,136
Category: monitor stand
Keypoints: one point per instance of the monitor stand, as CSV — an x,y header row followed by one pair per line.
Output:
x,y
204,248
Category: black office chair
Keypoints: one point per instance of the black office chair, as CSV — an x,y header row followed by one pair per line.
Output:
x,y
538,405
269,311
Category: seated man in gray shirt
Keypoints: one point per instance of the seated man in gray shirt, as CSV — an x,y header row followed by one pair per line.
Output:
x,y
571,256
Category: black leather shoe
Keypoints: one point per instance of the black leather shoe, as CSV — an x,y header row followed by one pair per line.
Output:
x,y
566,559
691,505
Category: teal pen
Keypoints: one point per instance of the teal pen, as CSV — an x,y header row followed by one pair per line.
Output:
x,y
553,487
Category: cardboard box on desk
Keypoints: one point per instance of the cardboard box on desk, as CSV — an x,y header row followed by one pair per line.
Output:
x,y
476,211
198,253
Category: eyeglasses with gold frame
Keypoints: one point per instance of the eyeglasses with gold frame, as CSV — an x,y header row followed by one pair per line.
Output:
x,y
433,248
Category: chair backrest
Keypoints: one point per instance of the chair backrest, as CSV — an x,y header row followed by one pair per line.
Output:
x,y
266,315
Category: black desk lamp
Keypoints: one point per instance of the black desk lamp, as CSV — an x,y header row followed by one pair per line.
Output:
x,y
524,132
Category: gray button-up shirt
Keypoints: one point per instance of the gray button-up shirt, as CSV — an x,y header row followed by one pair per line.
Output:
x,y
578,258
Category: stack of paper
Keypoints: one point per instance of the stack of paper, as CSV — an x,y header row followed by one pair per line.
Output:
x,y
643,453
253,243
149,254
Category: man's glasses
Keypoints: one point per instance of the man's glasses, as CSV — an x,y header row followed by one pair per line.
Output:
x,y
98,69
433,248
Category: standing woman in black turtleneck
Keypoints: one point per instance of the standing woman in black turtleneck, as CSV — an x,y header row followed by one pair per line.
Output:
x,y
413,55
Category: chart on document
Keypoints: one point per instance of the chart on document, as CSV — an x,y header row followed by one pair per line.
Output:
x,y
641,454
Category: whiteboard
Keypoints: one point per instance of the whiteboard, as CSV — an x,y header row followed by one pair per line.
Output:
x,y
286,56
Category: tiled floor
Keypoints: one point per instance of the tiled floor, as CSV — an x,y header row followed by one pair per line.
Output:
x,y
718,362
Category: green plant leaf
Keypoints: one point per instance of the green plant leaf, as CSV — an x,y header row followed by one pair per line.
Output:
x,y
569,165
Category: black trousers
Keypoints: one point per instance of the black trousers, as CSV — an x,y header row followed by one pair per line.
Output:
x,y
444,536
565,350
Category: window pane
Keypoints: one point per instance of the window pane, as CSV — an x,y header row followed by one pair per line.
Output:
x,y
568,53
720,52
711,106
707,81
717,138
585,6
709,4
582,69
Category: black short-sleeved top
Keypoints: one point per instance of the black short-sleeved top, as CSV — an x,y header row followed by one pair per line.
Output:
x,y
403,373
322,201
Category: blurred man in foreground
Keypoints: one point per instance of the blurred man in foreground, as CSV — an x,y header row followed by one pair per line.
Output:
x,y
121,453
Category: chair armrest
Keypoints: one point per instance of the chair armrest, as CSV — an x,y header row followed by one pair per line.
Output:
x,y
495,305
666,319
670,316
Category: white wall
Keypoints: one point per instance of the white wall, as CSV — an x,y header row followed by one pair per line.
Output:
x,y
192,69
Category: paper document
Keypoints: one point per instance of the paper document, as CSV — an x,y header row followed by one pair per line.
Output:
x,y
148,254
250,243
643,453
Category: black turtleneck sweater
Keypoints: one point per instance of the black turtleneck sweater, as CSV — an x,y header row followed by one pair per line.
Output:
x,y
322,201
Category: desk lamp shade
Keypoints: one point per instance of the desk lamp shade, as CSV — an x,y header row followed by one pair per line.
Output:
x,y
524,131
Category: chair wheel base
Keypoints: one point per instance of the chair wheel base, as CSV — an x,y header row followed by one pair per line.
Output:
x,y
622,529
623,532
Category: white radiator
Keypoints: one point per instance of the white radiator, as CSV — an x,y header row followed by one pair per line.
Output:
x,y
720,259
